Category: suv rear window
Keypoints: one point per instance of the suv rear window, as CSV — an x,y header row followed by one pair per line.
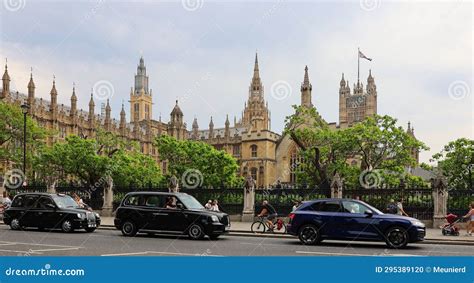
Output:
x,y
325,206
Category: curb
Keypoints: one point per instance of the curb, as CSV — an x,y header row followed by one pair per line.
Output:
x,y
244,233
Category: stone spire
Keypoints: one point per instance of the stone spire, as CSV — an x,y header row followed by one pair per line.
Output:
x,y
91,109
195,128
306,89
6,82
73,101
227,127
53,107
31,93
256,85
123,121
371,88
108,120
343,82
211,129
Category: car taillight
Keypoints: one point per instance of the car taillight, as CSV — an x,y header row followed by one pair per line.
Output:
x,y
291,216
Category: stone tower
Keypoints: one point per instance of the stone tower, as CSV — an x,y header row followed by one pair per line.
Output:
x,y
360,104
256,115
141,96
176,126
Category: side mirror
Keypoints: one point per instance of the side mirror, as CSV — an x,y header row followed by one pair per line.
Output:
x,y
369,213
180,206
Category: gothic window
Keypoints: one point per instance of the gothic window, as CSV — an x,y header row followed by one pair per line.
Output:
x,y
236,150
295,161
62,132
137,109
147,111
253,150
253,173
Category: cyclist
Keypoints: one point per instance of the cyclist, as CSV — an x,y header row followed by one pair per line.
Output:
x,y
269,212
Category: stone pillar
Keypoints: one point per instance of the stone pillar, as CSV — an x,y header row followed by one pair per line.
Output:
x,y
248,214
108,206
51,187
173,186
440,200
336,186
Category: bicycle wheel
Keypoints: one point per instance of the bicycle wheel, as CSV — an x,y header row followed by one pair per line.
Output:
x,y
282,229
258,227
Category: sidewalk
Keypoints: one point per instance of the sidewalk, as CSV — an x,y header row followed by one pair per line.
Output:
x,y
432,234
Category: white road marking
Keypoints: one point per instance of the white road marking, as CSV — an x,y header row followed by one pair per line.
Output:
x,y
36,244
153,252
348,254
20,252
57,249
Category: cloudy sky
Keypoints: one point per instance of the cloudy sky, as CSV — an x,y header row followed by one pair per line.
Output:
x,y
201,52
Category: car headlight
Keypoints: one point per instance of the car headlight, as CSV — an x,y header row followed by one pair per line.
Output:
x,y
96,215
214,218
417,223
81,215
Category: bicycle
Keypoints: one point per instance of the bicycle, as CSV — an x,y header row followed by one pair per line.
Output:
x,y
261,226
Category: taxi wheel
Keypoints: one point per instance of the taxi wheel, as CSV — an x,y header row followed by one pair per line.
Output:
x,y
66,226
15,224
196,232
129,229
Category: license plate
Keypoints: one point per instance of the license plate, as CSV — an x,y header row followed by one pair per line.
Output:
x,y
91,225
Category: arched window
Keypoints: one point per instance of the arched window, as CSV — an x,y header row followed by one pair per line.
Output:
x,y
253,173
253,150
295,161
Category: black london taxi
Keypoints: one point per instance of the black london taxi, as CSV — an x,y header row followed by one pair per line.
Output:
x,y
168,213
52,211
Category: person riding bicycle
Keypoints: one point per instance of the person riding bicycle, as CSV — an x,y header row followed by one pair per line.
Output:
x,y
269,212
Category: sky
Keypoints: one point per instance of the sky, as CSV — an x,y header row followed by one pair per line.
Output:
x,y
201,52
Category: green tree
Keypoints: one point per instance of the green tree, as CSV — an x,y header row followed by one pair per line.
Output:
x,y
382,145
11,135
456,162
92,162
197,163
322,150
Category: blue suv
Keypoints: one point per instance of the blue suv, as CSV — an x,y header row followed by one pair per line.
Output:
x,y
348,219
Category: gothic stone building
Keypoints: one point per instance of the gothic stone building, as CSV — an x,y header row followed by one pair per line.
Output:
x,y
265,155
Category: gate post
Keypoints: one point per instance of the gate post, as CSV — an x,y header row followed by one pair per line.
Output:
x,y
108,206
248,214
336,186
440,200
51,187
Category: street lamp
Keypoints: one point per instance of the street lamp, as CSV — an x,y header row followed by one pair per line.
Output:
x,y
24,109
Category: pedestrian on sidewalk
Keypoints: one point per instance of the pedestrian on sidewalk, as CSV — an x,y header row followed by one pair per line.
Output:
x,y
470,217
392,207
400,210
7,202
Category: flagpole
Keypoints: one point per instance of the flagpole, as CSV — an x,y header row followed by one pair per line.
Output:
x,y
358,64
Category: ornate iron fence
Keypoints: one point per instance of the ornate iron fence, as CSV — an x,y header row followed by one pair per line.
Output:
x,y
459,201
283,199
417,202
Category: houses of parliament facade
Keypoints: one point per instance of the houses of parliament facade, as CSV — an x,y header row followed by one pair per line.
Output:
x,y
265,155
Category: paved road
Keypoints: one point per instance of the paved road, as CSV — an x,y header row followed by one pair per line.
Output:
x,y
111,242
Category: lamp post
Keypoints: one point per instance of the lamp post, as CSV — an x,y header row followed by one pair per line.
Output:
x,y
24,109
